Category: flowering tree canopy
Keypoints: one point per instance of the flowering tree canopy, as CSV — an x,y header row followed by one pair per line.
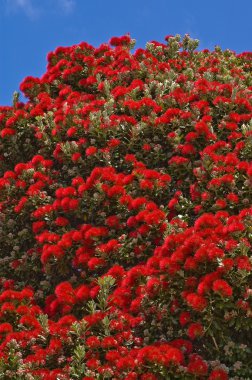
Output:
x,y
126,215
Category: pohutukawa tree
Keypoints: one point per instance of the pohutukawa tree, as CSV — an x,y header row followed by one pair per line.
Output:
x,y
126,210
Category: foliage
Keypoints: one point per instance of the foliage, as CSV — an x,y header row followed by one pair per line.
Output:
x,y
125,209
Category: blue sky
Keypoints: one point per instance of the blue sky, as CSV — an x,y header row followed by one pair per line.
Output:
x,y
29,29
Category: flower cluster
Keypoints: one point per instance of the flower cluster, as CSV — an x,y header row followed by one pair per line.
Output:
x,y
125,215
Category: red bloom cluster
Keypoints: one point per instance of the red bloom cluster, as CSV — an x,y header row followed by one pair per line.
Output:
x,y
125,215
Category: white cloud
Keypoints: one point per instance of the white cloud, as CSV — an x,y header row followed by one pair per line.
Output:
x,y
33,9
26,6
67,5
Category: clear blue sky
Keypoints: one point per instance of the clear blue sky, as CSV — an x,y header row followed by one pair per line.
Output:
x,y
29,29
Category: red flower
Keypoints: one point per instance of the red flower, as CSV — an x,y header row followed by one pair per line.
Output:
x,y
233,198
195,330
90,151
93,342
7,132
149,376
197,366
82,293
223,288
130,158
37,226
94,232
196,301
184,318
218,374
178,160
146,147
76,156
173,356
30,322
65,293
113,221
120,41
221,203
109,341
61,221
112,143
71,131
228,263
55,345
243,263
93,363
5,328
126,363
95,263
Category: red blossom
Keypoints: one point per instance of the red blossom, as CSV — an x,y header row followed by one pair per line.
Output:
x,y
195,330
196,301
125,216
197,366
222,287
218,374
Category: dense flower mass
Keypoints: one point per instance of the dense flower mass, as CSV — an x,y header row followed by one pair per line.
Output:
x,y
126,215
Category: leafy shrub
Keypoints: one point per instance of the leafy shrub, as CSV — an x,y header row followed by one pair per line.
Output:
x,y
125,207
